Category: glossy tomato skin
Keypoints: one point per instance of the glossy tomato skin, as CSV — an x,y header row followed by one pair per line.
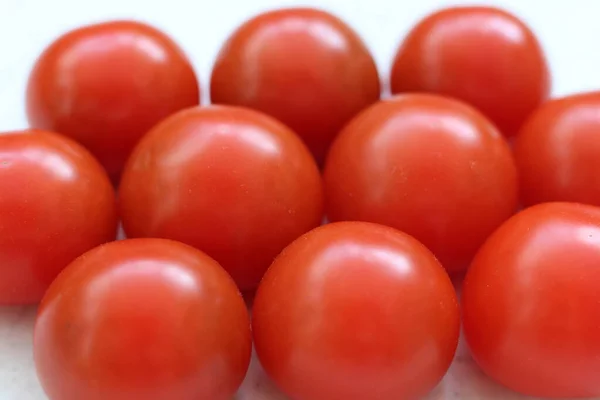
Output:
x,y
354,310
432,167
56,202
148,319
482,55
232,182
105,85
303,66
558,153
531,302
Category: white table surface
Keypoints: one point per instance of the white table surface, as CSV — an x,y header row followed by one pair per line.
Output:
x,y
568,30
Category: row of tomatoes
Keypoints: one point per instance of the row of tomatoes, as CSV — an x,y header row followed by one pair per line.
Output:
x,y
347,310
305,67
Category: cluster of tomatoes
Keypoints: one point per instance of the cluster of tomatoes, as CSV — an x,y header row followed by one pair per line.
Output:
x,y
223,199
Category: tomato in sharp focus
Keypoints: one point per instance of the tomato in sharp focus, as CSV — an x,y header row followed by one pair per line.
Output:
x,y
303,66
56,202
232,182
148,319
482,55
558,151
430,166
531,302
354,310
105,85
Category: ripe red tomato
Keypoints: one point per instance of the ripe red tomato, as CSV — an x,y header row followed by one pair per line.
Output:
x,y
232,182
106,85
148,319
430,166
558,151
531,302
56,202
303,66
482,55
354,310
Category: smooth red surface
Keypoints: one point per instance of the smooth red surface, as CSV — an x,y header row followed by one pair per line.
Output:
x,y
354,310
558,151
148,319
531,302
303,66
105,85
232,182
56,202
482,55
430,166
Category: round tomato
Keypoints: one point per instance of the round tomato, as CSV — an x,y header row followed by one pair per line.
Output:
x,y
531,302
232,182
558,151
148,319
303,66
482,55
56,202
106,85
430,166
354,310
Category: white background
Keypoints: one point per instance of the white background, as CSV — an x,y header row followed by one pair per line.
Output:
x,y
569,32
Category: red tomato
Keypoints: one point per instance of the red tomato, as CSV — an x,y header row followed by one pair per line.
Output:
x,y
148,319
106,85
232,182
56,202
531,302
303,66
430,166
354,310
558,151
482,55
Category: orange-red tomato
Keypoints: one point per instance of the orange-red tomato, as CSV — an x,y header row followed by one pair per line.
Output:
x,y
481,55
148,319
105,85
56,202
430,166
303,66
531,302
232,182
558,152
354,310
